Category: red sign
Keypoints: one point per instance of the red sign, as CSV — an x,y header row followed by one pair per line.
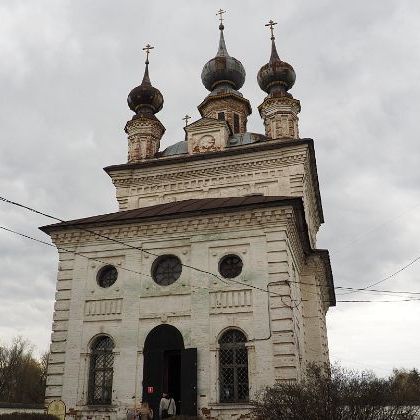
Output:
x,y
150,390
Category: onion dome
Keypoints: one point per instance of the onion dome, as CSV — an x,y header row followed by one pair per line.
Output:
x,y
223,71
145,99
276,77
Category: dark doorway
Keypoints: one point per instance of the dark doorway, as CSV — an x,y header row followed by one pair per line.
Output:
x,y
172,375
168,367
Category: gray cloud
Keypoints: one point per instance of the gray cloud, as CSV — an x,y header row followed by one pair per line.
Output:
x,y
67,66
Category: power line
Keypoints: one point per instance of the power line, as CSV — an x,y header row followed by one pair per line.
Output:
x,y
133,271
386,278
201,270
80,254
378,301
202,287
137,248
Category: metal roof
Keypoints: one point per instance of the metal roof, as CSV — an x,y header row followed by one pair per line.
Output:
x,y
180,209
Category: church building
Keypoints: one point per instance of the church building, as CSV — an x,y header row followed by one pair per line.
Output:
x,y
207,283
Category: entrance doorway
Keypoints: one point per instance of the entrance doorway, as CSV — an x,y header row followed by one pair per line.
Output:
x,y
169,367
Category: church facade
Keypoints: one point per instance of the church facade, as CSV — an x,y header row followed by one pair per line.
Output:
x,y
207,282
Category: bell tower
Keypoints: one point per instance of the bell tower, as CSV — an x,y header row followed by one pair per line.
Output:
x,y
279,109
144,130
223,76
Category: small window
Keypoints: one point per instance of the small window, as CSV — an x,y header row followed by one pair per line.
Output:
x,y
101,371
166,269
236,128
230,266
107,276
221,116
233,367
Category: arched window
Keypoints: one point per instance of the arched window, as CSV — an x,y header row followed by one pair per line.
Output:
x,y
233,367
101,371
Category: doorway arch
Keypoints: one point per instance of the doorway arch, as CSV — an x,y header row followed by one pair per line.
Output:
x,y
165,337
169,367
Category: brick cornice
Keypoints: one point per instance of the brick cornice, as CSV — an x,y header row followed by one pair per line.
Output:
x,y
187,223
191,172
232,151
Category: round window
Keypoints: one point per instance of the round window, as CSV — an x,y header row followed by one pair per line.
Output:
x,y
166,269
230,266
107,276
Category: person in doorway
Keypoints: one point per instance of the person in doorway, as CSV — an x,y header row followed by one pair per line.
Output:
x,y
167,406
145,412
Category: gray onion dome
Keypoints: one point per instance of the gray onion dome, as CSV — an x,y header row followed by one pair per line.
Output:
x,y
145,99
223,69
277,76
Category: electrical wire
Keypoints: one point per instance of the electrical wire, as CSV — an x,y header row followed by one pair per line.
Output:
x,y
353,290
124,268
136,247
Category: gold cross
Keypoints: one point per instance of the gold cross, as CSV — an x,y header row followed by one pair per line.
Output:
x,y
186,118
220,13
147,48
271,25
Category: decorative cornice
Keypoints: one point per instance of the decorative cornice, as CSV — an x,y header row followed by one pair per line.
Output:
x,y
134,230
125,175
224,168
231,151
223,96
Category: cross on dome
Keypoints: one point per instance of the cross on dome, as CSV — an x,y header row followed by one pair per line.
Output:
x,y
220,13
271,24
186,118
147,48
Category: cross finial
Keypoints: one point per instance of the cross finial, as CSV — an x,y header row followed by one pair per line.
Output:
x,y
220,13
147,48
186,118
271,25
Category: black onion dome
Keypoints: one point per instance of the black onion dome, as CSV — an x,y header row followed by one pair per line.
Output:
x,y
276,75
145,99
223,69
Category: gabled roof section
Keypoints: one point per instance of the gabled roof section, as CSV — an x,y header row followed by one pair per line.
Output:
x,y
207,122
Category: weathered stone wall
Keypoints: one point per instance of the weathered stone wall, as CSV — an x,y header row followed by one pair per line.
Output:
x,y
199,305
281,172
228,104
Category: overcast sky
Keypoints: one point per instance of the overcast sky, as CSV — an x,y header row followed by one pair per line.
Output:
x,y
66,68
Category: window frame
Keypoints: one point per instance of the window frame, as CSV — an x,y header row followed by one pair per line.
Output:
x,y
106,370
236,123
233,348
223,266
104,271
173,277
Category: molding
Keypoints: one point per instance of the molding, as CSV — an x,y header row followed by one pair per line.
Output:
x,y
183,224
224,168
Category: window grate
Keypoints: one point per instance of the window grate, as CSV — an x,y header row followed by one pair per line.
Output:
x,y
233,367
101,372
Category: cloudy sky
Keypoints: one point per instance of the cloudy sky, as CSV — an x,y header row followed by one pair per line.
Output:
x,y
66,68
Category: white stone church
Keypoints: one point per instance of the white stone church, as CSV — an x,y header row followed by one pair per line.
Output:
x,y
207,282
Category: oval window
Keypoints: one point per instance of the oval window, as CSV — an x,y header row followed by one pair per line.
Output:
x,y
107,276
166,269
230,266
